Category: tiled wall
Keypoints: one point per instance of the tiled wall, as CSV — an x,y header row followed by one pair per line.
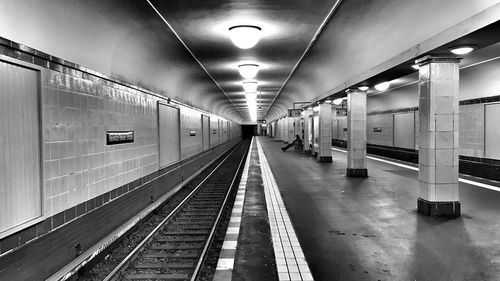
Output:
x,y
214,131
77,111
338,125
80,172
471,124
383,122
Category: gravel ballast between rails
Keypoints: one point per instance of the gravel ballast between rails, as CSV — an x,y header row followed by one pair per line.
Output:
x,y
111,258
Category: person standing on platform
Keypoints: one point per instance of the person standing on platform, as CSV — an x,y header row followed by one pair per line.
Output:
x,y
296,140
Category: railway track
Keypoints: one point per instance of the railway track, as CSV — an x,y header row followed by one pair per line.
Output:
x,y
177,247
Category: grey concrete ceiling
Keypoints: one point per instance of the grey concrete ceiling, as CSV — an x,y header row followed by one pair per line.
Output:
x,y
360,35
138,41
288,26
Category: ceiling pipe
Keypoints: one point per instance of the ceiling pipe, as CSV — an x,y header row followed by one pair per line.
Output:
x,y
309,46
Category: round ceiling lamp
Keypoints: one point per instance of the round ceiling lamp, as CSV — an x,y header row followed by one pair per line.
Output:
x,y
337,101
245,36
462,50
250,86
251,95
248,70
383,86
363,88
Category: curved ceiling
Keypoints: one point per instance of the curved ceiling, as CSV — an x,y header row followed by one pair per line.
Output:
x,y
287,29
181,49
364,34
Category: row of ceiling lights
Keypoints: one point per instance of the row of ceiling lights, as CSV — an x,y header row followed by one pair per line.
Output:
x,y
246,37
457,50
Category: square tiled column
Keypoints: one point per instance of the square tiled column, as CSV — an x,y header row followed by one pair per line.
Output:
x,y
325,132
282,129
356,134
438,136
286,128
307,127
291,129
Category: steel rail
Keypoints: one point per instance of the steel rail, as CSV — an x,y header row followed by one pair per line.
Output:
x,y
197,269
133,254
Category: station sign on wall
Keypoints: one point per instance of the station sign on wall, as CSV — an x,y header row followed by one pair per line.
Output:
x,y
117,137
294,112
341,111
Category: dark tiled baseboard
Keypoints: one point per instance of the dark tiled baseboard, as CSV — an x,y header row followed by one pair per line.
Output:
x,y
449,209
27,54
462,102
391,111
481,100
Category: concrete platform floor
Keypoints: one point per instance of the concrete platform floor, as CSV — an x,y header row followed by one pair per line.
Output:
x,y
368,229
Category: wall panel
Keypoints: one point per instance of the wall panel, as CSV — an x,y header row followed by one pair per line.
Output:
x,y
342,128
404,130
20,182
492,136
169,140
380,129
205,120
214,132
191,137
472,126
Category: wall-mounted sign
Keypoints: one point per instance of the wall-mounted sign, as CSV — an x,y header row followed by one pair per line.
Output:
x,y
214,131
344,129
341,111
377,129
192,133
294,112
117,137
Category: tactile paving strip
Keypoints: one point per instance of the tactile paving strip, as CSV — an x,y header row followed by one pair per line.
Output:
x,y
290,261
225,263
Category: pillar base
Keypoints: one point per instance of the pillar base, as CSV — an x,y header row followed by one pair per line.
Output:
x,y
325,159
438,208
356,173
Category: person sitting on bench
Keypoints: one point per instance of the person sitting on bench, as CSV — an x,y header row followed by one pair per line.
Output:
x,y
297,139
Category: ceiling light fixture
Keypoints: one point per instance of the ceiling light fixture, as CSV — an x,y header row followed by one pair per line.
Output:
x,y
462,50
316,109
415,66
245,36
338,101
251,95
383,86
250,86
328,101
248,70
363,88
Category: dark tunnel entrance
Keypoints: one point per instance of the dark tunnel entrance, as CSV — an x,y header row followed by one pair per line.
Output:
x,y
248,131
